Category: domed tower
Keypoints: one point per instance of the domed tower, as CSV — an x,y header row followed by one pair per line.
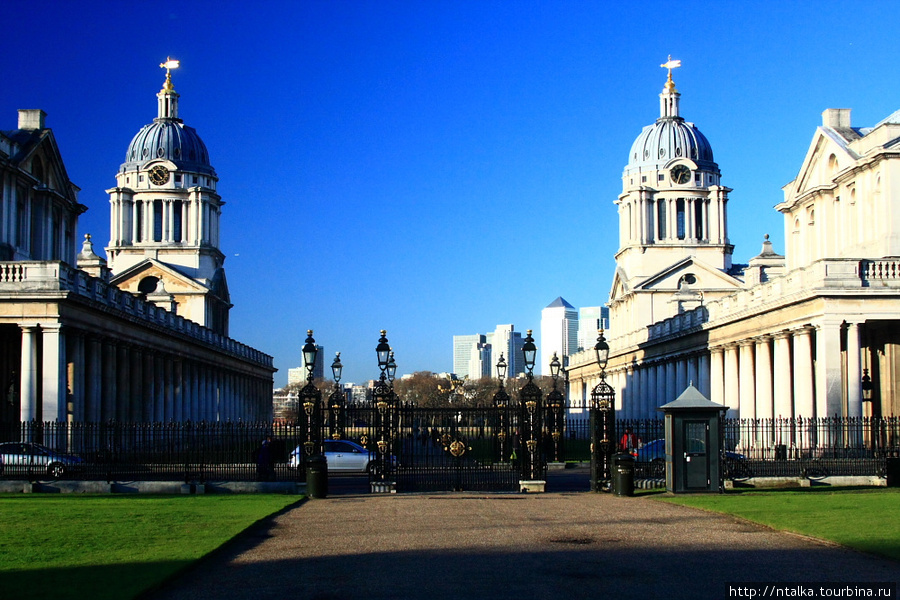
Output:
x,y
672,221
164,219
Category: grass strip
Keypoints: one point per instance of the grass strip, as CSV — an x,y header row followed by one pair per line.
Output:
x,y
114,547
862,519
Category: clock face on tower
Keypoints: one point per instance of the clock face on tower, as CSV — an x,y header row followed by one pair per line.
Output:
x,y
680,174
159,175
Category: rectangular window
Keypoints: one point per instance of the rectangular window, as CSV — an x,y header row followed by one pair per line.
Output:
x,y
177,177
661,218
660,177
157,220
679,218
176,221
643,179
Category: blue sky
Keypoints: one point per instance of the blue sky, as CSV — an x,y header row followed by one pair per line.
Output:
x,y
437,168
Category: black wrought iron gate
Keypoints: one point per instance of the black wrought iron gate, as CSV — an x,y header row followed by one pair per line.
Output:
x,y
474,449
439,449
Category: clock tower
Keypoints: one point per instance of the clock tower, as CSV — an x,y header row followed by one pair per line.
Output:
x,y
164,219
673,239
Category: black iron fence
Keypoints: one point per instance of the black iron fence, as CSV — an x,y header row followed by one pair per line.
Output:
x,y
230,451
176,451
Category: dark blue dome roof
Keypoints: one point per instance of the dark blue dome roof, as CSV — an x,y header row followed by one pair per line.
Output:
x,y
172,140
668,139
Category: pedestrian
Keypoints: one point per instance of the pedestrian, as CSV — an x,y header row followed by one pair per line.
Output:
x,y
630,442
264,470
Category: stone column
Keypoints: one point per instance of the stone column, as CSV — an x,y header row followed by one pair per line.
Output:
x,y
703,374
782,375
109,388
661,386
650,403
680,376
732,388
717,375
803,375
764,395
693,373
94,381
76,377
29,372
54,373
829,376
747,375
854,372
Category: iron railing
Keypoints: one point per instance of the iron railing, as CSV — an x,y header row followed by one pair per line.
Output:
x,y
227,451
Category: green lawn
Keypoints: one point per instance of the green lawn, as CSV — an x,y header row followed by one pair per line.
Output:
x,y
864,519
114,547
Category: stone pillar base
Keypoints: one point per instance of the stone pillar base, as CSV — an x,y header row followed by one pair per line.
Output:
x,y
384,487
537,486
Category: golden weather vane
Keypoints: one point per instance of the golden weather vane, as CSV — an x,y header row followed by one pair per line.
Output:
x,y
170,64
671,64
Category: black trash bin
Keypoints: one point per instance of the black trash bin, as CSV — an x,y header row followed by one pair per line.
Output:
x,y
317,476
892,471
623,475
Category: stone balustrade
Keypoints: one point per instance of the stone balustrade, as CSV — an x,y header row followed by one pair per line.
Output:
x,y
21,277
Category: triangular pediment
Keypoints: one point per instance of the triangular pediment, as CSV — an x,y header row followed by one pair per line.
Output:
x,y
704,277
817,170
175,281
41,145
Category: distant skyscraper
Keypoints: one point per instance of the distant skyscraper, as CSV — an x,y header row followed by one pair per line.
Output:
x,y
506,340
559,333
480,361
590,319
462,352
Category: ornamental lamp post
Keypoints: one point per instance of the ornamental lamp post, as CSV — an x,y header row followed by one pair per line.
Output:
x,y
383,399
556,401
603,422
336,401
310,400
501,420
530,423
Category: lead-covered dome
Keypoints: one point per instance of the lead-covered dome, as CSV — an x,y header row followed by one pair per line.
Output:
x,y
667,139
172,140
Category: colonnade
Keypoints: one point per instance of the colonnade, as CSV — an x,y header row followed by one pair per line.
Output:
x,y
649,218
808,371
192,220
69,374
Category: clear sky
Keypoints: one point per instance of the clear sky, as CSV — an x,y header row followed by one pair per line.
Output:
x,y
437,168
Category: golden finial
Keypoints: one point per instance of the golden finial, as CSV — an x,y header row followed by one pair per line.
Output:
x,y
170,64
670,64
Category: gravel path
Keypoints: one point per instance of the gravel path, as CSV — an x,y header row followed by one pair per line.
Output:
x,y
496,546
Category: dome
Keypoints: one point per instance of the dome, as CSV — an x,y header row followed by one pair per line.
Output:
x,y
670,139
168,139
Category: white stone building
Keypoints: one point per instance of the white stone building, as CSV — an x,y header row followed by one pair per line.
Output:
x,y
785,336
75,347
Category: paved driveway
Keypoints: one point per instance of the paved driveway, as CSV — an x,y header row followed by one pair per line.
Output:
x,y
486,546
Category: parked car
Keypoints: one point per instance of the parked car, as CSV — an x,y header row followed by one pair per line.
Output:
x,y
344,456
655,453
25,458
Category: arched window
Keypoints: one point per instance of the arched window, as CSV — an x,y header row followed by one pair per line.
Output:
x,y
832,165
